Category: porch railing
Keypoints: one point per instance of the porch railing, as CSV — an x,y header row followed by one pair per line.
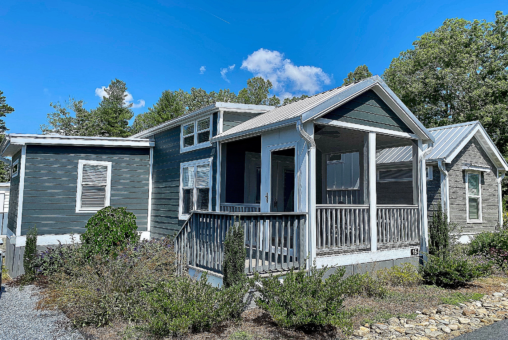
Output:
x,y
273,241
397,226
240,207
342,228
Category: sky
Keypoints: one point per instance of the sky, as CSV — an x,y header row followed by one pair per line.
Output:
x,y
53,50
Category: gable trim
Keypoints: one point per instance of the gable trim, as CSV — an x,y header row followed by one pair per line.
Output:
x,y
365,128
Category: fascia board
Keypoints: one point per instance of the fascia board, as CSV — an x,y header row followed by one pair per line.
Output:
x,y
82,142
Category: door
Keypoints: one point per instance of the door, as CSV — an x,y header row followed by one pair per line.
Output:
x,y
283,181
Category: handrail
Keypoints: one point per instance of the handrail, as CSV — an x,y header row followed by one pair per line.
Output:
x,y
241,204
345,206
227,213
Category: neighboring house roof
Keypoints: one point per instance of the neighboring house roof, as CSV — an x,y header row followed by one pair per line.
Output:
x,y
318,105
201,112
14,141
450,140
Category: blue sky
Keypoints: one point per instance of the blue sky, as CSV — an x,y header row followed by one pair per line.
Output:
x,y
52,50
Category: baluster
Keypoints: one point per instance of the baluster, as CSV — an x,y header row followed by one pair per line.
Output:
x,y
318,226
328,222
334,241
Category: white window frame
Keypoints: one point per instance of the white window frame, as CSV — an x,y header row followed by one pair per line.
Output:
x,y
194,164
480,214
429,175
14,174
79,190
196,145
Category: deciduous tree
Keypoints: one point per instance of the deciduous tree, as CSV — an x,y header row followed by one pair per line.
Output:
x,y
360,73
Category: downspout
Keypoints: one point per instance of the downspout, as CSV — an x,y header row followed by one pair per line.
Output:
x,y
311,230
445,199
499,180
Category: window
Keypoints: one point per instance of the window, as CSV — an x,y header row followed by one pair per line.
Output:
x,y
94,186
395,175
196,134
15,168
474,197
430,174
195,187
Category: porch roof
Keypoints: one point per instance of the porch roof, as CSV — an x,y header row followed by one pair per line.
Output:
x,y
450,140
316,106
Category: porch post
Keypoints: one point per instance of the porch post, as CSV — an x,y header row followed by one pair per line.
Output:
x,y
372,195
420,192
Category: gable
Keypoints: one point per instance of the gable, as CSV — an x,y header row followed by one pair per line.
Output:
x,y
370,110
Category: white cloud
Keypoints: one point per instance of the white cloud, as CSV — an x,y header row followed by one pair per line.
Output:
x,y
129,99
224,71
284,74
202,69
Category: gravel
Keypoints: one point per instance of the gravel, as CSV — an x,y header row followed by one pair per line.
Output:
x,y
20,320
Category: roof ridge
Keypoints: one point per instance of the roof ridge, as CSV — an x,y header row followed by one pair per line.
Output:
x,y
474,122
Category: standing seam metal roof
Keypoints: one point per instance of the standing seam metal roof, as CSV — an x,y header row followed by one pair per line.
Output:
x,y
447,138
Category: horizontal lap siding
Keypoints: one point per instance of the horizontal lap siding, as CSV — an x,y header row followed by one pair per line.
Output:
x,y
232,119
370,110
433,192
49,199
14,197
473,153
166,179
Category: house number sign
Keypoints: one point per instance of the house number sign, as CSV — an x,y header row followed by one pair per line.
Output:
x,y
415,251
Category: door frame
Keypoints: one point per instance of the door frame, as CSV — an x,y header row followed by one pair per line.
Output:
x,y
271,149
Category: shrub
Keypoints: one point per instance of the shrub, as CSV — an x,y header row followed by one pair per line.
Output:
x,y
304,300
483,242
364,285
493,245
179,306
108,230
30,254
441,233
234,257
405,275
96,291
60,259
452,272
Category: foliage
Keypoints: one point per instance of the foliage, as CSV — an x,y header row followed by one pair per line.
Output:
x,y
5,109
182,305
257,92
30,254
108,230
360,73
365,285
60,259
493,245
5,168
456,298
234,257
61,121
294,99
113,113
452,272
441,233
304,300
405,275
457,73
95,292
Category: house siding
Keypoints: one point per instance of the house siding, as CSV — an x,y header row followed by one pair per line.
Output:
x,y
433,192
473,153
166,179
370,110
12,219
232,119
49,200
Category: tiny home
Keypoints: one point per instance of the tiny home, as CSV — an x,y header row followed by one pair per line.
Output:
x,y
464,174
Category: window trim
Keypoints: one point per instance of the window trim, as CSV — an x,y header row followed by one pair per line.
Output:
x,y
79,190
15,174
430,172
480,213
196,146
181,215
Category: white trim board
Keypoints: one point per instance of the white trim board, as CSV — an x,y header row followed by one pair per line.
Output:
x,y
365,128
21,189
208,161
150,186
79,188
48,240
364,257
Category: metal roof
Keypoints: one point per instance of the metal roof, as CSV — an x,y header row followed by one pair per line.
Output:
x,y
319,104
449,140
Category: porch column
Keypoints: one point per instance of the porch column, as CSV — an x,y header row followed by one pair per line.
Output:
x,y
372,195
420,192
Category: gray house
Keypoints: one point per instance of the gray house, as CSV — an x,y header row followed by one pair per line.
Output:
x,y
464,174
302,180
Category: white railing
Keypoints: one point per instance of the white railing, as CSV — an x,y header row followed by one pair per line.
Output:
x,y
397,226
240,207
342,228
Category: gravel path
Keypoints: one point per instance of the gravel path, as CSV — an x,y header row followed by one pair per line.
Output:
x,y
20,320
496,331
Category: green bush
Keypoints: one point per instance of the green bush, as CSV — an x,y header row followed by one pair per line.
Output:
x,y
441,233
364,285
304,300
182,305
234,257
452,272
405,275
109,230
30,254
484,242
59,259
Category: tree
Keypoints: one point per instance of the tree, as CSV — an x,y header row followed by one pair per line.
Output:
x,y
294,99
360,73
62,122
113,113
257,92
168,107
5,109
457,73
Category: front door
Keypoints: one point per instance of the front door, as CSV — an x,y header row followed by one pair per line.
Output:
x,y
283,181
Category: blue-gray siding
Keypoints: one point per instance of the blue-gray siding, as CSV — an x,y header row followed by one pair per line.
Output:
x,y
14,197
368,109
166,178
49,199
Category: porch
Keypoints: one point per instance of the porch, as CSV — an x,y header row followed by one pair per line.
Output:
x,y
298,202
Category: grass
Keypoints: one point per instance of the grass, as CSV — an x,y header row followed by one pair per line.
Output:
x,y
457,297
